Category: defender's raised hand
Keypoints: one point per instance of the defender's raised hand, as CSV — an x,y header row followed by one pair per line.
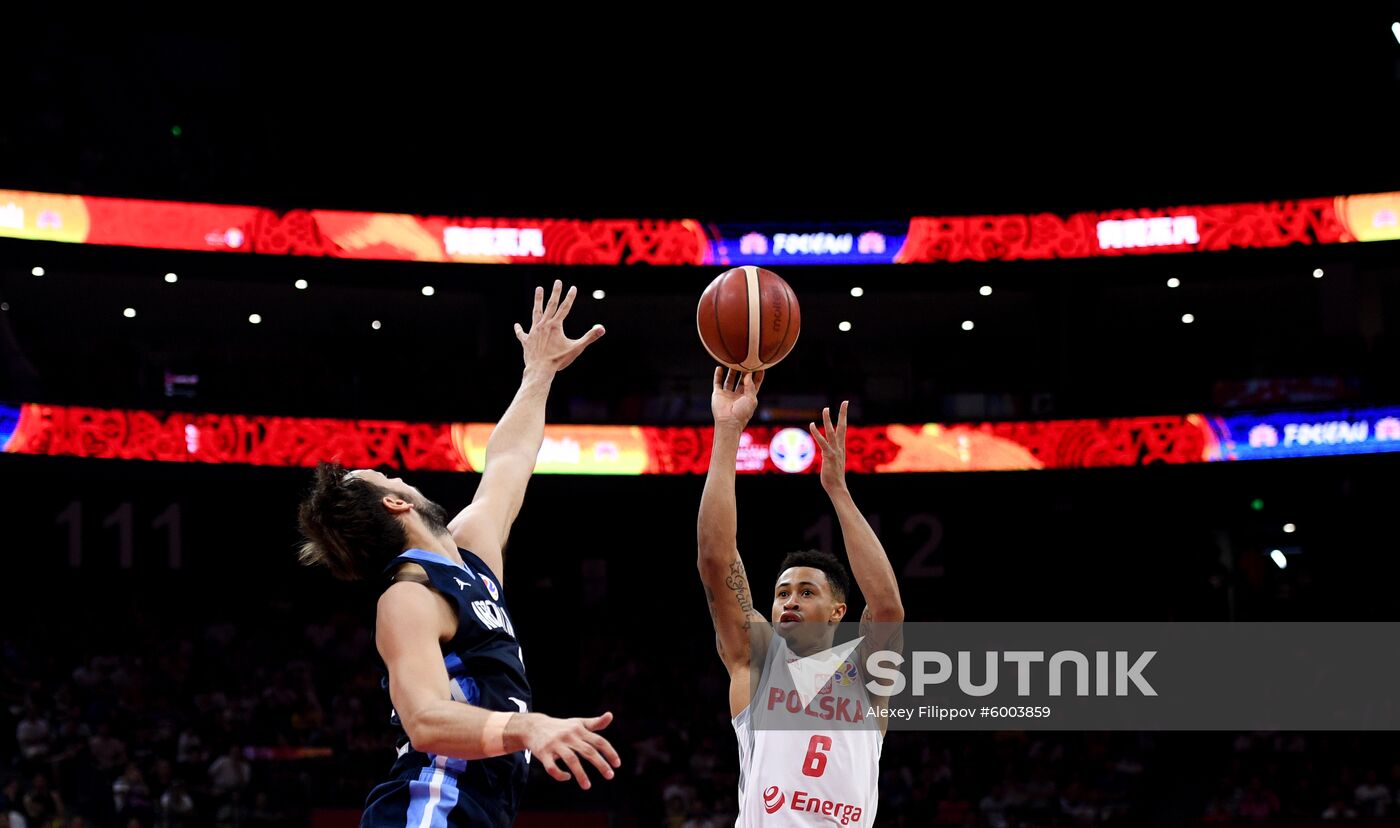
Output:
x,y
545,344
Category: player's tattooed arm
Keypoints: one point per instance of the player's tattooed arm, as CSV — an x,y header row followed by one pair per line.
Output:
x,y
721,569
710,603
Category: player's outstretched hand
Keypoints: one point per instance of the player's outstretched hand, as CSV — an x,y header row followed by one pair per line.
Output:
x,y
545,344
735,397
832,441
566,740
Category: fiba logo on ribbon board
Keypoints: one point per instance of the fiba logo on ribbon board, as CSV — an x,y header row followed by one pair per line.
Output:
x,y
792,450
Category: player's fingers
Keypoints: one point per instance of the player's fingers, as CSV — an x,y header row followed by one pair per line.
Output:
x,y
604,747
758,380
553,304
841,421
594,334
567,303
728,379
552,768
598,722
539,307
719,375
567,754
817,437
520,333
587,751
826,421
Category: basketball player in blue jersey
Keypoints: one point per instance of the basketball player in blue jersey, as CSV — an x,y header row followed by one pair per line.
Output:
x,y
456,675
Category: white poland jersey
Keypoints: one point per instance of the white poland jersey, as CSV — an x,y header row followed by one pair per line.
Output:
x,y
812,765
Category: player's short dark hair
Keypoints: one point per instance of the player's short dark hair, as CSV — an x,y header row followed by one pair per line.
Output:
x,y
346,526
829,564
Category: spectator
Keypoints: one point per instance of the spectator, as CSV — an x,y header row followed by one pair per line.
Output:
x,y
189,749
993,807
1217,812
108,752
697,817
1372,798
230,773
675,812
176,806
952,809
1258,802
11,801
130,795
1339,809
32,734
264,814
41,804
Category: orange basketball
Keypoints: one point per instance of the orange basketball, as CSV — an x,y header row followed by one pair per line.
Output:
x,y
748,318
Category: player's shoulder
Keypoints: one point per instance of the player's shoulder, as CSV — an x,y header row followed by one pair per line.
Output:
x,y
408,603
408,571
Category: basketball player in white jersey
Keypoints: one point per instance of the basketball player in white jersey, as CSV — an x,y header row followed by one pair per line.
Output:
x,y
806,758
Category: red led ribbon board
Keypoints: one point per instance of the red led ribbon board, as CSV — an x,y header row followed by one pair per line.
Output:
x,y
172,225
561,241
1125,232
619,450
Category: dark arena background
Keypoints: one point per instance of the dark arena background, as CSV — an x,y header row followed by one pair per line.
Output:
x,y
1115,303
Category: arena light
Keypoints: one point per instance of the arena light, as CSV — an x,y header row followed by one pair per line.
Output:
x,y
1289,528
967,325
129,313
599,294
843,326
375,325
985,290
255,318
1317,274
1279,558
1173,282
171,278
857,292
301,284
428,290
4,306
1188,318
38,271
1395,30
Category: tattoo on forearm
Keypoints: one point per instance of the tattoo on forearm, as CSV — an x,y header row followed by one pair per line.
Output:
x,y
739,582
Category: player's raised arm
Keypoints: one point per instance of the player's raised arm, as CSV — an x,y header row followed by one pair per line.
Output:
x,y
514,444
869,563
732,402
